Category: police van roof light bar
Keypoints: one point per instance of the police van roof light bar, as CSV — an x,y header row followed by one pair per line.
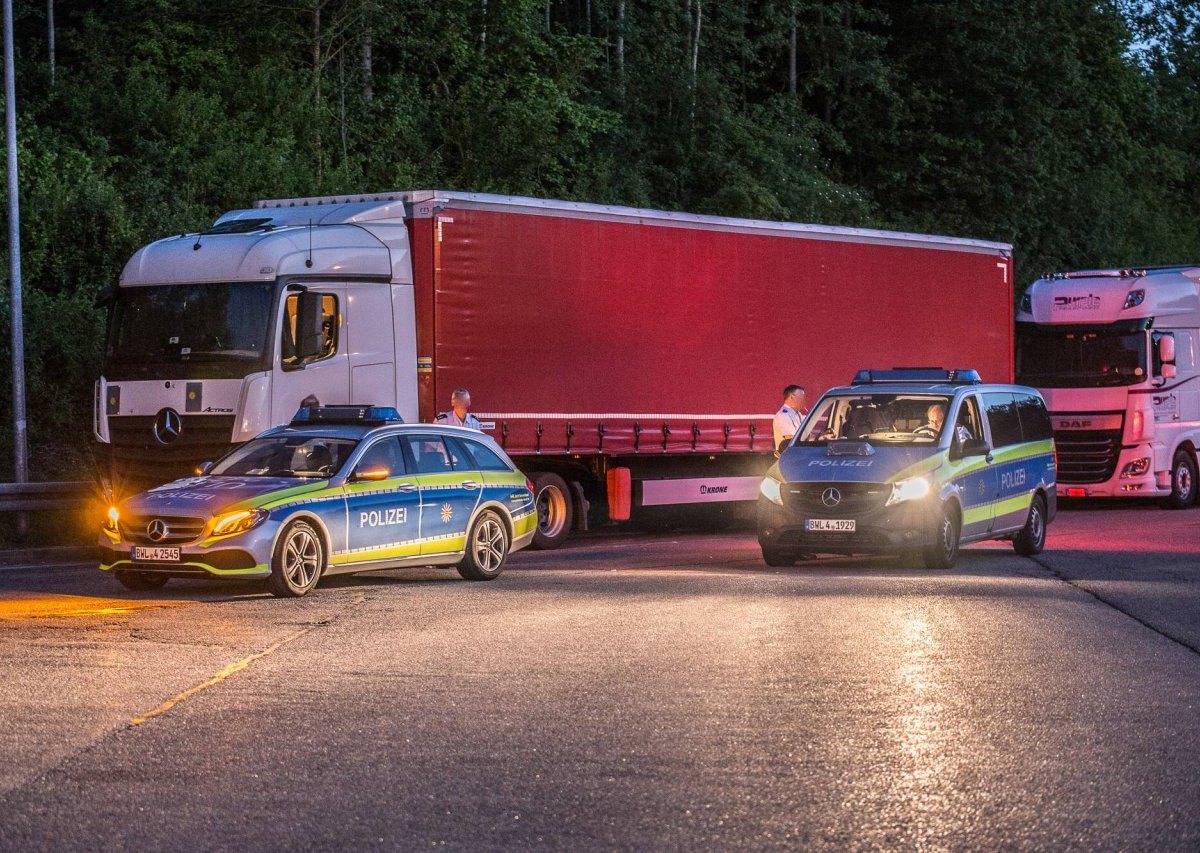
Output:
x,y
360,415
918,374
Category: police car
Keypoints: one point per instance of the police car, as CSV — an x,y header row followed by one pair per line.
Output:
x,y
339,490
912,461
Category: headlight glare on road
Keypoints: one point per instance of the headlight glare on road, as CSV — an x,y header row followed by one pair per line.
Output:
x,y
237,522
914,488
770,489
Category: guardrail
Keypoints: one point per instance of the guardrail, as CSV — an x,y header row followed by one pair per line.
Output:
x,y
30,497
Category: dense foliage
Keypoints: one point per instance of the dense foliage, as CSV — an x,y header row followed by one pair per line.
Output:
x,y
1066,127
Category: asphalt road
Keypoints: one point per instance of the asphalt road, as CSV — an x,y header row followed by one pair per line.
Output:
x,y
629,691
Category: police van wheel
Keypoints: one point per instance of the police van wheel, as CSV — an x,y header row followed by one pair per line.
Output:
x,y
1032,538
1183,481
775,557
487,548
943,553
141,581
297,562
553,502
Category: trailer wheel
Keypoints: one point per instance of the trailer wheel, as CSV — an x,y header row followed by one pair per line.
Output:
x,y
1032,538
1183,481
943,553
141,581
554,510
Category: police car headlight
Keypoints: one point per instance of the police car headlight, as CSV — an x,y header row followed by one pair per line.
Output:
x,y
770,489
914,488
238,522
112,520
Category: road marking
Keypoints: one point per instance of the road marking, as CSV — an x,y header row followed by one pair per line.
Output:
x,y
233,668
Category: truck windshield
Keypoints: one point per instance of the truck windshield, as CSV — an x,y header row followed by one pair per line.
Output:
x,y
1077,357
199,331
878,418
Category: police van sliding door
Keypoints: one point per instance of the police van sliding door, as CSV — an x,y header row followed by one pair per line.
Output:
x,y
975,475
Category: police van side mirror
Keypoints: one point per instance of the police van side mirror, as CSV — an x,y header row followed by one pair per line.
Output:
x,y
969,447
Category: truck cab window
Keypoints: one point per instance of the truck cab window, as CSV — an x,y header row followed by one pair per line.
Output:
x,y
329,331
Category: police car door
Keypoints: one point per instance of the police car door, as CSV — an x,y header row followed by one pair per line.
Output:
x,y
383,502
975,475
449,492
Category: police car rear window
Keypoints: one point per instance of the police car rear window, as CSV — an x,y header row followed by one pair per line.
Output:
x,y
485,459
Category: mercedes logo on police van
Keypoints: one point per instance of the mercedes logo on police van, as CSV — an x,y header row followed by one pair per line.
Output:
x,y
167,426
831,497
156,530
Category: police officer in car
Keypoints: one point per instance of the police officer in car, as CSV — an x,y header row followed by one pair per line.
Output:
x,y
460,411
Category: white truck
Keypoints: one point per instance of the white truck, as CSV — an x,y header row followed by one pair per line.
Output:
x,y
1114,353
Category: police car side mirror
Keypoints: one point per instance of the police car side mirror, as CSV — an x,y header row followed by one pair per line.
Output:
x,y
373,475
975,447
204,468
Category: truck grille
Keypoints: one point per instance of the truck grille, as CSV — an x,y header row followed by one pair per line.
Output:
x,y
138,459
1087,456
854,498
179,530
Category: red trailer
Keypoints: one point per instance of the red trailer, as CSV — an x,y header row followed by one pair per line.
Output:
x,y
625,358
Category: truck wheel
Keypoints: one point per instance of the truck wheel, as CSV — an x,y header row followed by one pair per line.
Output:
x,y
1032,538
141,581
776,557
1183,481
943,553
553,511
487,547
297,562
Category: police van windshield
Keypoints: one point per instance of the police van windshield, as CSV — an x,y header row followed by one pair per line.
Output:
x,y
286,456
199,331
1074,357
878,418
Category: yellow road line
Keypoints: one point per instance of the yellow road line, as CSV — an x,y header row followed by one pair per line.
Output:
x,y
238,666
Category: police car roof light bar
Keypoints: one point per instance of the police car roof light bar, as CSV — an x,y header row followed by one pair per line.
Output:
x,y
367,415
918,374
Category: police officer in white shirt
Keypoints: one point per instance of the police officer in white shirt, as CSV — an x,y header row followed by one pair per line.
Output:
x,y
459,414
787,419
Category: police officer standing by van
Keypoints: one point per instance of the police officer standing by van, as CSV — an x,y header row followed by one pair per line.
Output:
x,y
460,411
787,419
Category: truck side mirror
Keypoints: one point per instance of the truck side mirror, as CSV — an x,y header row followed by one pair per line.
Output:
x,y
310,334
1166,350
1169,371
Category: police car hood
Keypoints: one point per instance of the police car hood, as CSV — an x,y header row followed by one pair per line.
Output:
x,y
208,495
856,462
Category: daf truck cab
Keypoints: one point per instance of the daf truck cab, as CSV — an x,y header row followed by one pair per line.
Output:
x,y
1114,355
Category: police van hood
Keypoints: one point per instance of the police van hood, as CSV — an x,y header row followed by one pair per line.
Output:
x,y
856,462
208,495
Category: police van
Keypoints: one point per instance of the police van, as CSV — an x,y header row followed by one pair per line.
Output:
x,y
913,461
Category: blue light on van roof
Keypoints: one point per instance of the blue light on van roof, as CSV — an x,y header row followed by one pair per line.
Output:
x,y
940,375
355,415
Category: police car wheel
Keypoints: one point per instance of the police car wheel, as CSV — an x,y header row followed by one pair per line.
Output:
x,y
775,557
297,562
943,553
553,502
487,548
141,581
1032,538
1183,481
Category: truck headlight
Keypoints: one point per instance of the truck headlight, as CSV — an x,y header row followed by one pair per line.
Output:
x,y
238,522
914,488
1136,468
770,489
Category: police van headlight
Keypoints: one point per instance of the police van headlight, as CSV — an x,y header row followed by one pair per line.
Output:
x,y
238,522
912,489
771,490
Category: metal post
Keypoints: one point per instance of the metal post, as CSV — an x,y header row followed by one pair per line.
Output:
x,y
20,446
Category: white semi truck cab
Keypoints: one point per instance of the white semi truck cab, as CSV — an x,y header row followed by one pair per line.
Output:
x,y
1114,354
214,337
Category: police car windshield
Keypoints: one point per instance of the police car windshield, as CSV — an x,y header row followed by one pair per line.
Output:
x,y
877,418
202,331
286,456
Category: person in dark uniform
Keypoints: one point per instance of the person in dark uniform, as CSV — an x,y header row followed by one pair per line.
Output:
x,y
460,411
